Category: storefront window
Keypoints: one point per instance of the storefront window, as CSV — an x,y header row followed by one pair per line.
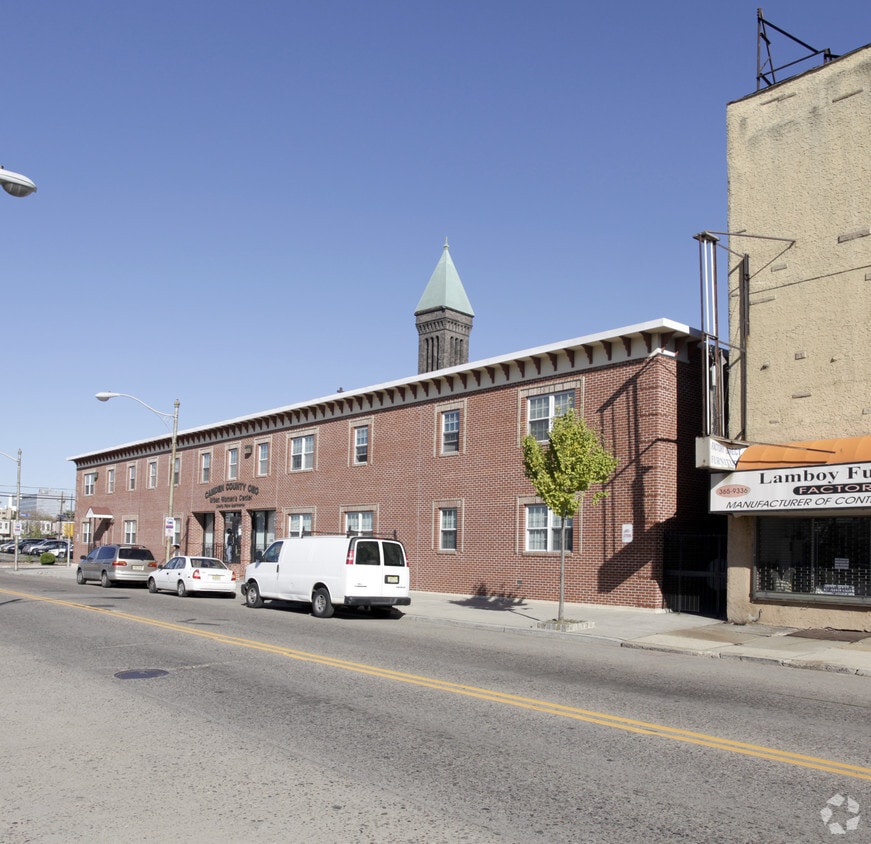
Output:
x,y
827,558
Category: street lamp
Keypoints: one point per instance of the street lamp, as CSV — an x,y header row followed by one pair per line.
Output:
x,y
174,417
16,184
17,502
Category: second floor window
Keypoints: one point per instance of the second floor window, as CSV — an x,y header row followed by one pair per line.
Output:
x,y
176,470
232,464
89,483
205,467
361,444
450,431
263,459
110,480
152,474
131,478
544,409
302,453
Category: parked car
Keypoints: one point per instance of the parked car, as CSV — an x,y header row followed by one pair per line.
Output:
x,y
7,547
329,571
25,546
111,564
52,546
184,575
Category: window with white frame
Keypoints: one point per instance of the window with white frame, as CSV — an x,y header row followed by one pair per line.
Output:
x,y
110,480
302,453
131,477
361,444
542,410
359,521
89,483
232,463
176,470
151,481
205,467
450,431
86,533
130,531
262,459
299,523
544,529
448,529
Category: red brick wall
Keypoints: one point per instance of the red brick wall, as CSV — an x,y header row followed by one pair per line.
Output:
x,y
648,411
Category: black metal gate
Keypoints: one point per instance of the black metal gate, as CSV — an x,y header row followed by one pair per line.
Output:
x,y
694,573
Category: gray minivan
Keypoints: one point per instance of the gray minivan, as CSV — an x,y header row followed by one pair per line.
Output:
x,y
111,564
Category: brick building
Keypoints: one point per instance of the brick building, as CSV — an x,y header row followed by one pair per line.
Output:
x,y
437,458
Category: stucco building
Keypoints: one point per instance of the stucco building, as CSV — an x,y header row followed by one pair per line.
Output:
x,y
799,504
437,458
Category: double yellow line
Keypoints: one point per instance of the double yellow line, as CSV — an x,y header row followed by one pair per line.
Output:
x,y
600,718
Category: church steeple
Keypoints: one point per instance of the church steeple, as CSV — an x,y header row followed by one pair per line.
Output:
x,y
444,318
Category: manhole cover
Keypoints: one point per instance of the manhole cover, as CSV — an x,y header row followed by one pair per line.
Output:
x,y
141,674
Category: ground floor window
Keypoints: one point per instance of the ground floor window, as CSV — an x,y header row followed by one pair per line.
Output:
x,y
130,531
359,521
207,524
544,529
232,536
262,531
299,524
827,558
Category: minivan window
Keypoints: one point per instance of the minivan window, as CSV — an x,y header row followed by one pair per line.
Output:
x,y
135,554
367,554
393,554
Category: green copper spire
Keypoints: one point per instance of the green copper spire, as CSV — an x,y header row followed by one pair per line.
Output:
x,y
445,290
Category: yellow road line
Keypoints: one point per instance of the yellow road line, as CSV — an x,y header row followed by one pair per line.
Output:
x,y
590,716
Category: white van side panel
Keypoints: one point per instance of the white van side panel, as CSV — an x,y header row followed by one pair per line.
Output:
x,y
307,562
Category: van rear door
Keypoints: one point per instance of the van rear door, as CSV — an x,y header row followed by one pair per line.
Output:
x,y
379,571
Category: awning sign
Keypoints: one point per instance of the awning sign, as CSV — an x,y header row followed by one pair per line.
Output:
x,y
796,488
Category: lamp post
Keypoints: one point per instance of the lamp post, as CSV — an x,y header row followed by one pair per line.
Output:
x,y
15,184
174,417
17,502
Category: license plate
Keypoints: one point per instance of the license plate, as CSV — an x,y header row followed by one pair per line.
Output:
x,y
138,568
217,577
391,578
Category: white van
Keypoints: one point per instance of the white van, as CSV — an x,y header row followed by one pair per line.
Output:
x,y
330,571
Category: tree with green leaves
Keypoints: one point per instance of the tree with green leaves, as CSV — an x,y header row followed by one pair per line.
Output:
x,y
561,471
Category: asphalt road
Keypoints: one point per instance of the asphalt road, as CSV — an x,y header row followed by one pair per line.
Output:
x,y
271,725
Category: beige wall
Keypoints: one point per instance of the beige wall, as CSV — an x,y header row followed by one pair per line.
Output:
x,y
799,162
799,159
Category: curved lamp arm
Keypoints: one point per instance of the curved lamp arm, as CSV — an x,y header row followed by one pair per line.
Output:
x,y
107,396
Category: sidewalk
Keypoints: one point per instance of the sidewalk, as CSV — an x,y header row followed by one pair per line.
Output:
x,y
825,650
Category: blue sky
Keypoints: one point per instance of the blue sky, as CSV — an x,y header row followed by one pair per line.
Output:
x,y
233,195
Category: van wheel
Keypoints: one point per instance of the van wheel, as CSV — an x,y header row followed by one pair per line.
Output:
x,y
104,580
80,576
322,606
152,586
180,590
252,597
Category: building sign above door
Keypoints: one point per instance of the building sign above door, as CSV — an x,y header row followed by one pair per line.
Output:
x,y
232,492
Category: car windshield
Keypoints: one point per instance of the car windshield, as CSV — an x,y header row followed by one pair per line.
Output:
x,y
207,563
135,554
